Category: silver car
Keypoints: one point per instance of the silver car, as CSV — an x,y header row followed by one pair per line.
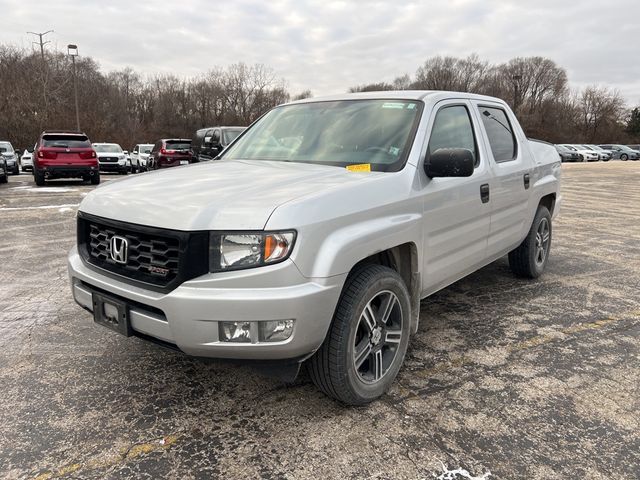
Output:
x,y
318,232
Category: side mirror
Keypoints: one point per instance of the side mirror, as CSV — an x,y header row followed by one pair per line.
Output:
x,y
449,162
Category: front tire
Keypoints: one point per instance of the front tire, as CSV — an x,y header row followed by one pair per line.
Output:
x,y
530,258
367,341
624,157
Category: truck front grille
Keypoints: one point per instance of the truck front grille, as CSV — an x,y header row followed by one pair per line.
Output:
x,y
160,259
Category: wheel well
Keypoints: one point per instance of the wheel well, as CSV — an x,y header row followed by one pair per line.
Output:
x,y
548,201
404,260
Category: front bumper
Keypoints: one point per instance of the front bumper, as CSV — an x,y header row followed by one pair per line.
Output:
x,y
188,316
113,167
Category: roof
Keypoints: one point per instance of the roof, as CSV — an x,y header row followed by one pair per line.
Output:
x,y
434,95
64,132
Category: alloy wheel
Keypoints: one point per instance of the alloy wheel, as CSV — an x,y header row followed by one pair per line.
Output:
x,y
378,336
543,236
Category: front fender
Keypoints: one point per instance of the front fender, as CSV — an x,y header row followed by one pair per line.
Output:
x,y
350,243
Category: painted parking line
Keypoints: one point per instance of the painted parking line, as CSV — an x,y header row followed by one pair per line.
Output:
x,y
41,207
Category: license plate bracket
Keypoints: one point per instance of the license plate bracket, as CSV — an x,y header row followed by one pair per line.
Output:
x,y
111,313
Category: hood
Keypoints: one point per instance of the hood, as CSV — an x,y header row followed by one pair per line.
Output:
x,y
219,195
8,154
109,154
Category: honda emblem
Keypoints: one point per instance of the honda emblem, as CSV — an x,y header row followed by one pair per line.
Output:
x,y
119,249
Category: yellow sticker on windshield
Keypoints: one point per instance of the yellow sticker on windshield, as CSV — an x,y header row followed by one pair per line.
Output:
x,y
361,167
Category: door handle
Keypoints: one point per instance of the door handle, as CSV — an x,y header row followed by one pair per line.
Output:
x,y
527,180
484,192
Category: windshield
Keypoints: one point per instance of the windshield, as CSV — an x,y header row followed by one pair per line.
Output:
x,y
231,134
338,133
6,147
107,148
178,145
562,149
66,141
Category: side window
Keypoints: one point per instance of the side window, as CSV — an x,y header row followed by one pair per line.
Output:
x,y
216,137
500,133
452,128
135,149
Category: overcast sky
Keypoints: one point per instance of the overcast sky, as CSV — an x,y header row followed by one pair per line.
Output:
x,y
328,46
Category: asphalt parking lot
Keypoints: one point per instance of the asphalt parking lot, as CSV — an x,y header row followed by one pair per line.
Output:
x,y
523,379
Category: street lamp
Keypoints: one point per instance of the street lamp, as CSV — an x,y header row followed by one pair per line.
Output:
x,y
516,84
72,51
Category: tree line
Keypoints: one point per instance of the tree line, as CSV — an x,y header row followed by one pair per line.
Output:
x,y
36,93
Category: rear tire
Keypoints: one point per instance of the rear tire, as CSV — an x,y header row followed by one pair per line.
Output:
x,y
4,178
367,341
38,177
95,180
530,258
624,157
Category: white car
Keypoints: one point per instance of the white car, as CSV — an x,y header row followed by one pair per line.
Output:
x,y
587,155
26,161
111,158
139,157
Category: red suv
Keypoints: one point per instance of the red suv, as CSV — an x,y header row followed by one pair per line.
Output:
x,y
61,154
170,152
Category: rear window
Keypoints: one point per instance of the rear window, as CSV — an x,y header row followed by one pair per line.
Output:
x,y
66,141
177,145
231,135
500,134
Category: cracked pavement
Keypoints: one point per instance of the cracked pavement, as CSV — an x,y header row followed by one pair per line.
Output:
x,y
523,379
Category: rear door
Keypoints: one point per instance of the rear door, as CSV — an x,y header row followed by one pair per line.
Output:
x,y
456,211
512,179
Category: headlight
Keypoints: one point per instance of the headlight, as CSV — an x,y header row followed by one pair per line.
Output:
x,y
233,251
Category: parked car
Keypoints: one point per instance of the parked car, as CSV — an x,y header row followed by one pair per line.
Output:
x,y
605,155
26,161
634,147
207,143
622,152
140,155
111,158
318,232
64,154
10,157
568,155
127,157
585,155
170,152
4,175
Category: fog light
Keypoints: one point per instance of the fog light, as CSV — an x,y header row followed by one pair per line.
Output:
x,y
236,332
276,330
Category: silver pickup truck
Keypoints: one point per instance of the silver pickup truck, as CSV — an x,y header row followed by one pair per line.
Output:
x,y
317,232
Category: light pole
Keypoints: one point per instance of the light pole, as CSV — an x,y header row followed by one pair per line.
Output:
x,y
516,94
72,51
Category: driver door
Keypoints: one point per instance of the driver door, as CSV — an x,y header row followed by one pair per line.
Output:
x,y
456,211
